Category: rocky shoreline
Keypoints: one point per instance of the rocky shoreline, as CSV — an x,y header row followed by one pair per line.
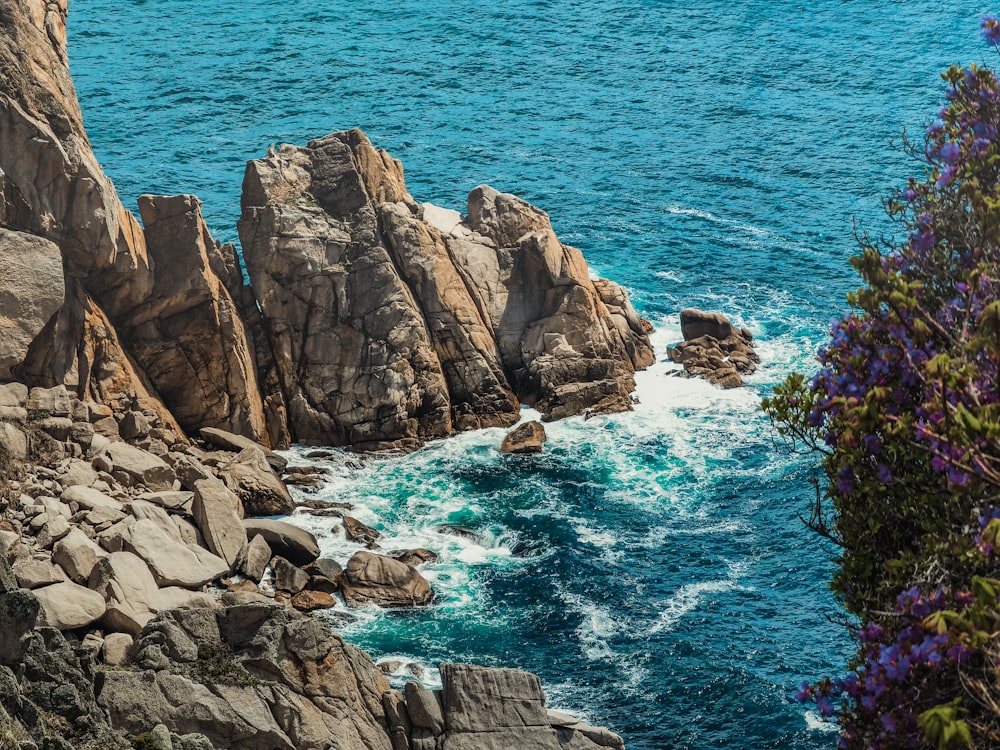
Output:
x,y
144,382
134,608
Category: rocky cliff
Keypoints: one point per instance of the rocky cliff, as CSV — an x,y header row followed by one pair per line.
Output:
x,y
371,321
129,575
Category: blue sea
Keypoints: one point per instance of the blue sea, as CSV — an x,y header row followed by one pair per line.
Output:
x,y
651,567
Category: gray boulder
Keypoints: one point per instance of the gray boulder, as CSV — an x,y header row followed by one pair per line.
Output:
x,y
376,579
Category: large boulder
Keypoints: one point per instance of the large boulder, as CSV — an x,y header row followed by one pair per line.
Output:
x,y
141,466
172,562
526,438
375,579
31,292
714,348
294,544
215,514
496,709
67,605
253,480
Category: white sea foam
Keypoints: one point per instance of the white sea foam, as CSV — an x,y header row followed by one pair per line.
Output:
x,y
691,596
817,723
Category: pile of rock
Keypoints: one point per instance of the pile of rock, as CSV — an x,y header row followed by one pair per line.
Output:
x,y
108,534
714,348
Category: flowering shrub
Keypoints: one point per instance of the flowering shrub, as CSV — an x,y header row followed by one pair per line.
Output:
x,y
906,410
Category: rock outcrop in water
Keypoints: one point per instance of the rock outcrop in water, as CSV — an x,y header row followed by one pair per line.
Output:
x,y
714,349
391,322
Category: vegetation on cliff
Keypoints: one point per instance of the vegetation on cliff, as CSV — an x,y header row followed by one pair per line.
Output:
x,y
906,411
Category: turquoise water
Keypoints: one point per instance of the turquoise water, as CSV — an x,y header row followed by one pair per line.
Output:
x,y
651,567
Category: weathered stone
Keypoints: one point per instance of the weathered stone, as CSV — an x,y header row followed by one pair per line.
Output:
x,y
13,395
56,427
89,498
172,562
359,532
50,402
54,529
714,349
370,578
143,467
294,544
67,605
288,577
187,334
13,442
172,500
239,443
477,699
33,573
115,648
258,555
129,590
218,521
424,707
140,509
526,438
310,601
314,689
467,322
415,557
397,719
77,554
133,425
78,473
260,490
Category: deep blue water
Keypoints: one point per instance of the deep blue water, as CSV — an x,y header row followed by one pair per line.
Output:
x,y
652,567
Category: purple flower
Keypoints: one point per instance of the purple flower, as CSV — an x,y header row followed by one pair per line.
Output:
x,y
824,705
873,445
947,176
949,153
990,29
883,474
845,480
803,695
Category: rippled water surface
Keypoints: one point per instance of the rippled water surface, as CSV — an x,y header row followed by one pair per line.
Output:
x,y
651,567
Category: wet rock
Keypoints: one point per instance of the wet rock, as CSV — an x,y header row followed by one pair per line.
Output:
x,y
257,556
359,532
526,438
714,349
416,557
288,577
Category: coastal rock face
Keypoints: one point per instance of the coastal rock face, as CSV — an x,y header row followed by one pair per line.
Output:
x,y
392,323
187,333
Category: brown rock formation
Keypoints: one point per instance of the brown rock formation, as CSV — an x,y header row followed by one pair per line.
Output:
x,y
715,349
391,323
